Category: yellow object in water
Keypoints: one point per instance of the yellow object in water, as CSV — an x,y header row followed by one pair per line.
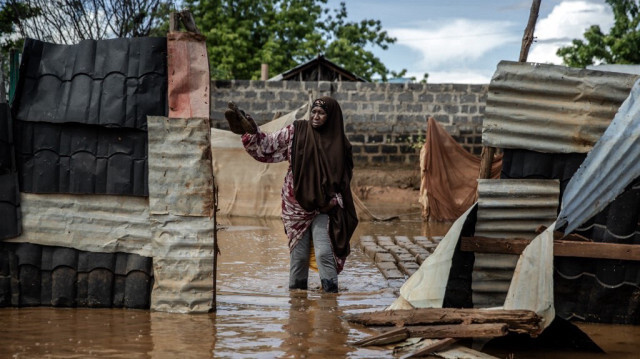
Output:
x,y
312,260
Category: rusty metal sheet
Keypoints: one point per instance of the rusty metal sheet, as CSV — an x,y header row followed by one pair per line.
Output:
x,y
508,208
549,108
180,170
183,263
189,80
87,222
608,169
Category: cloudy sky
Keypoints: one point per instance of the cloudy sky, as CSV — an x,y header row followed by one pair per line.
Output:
x,y
463,40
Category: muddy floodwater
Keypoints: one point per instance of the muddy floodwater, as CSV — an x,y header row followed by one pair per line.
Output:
x,y
257,316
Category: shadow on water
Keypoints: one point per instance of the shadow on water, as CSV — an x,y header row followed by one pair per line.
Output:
x,y
257,316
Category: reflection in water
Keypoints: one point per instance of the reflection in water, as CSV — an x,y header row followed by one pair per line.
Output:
x,y
314,327
257,316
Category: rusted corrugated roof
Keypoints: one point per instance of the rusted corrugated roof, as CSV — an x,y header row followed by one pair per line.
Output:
x,y
549,108
180,170
508,209
610,167
180,210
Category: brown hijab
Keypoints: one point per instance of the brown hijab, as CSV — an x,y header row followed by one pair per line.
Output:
x,y
322,165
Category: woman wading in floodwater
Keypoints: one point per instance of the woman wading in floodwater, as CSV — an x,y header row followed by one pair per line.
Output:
x,y
317,206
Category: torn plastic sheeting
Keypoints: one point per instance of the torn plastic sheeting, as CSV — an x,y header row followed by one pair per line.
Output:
x,y
247,187
189,80
610,167
115,82
448,174
180,169
531,287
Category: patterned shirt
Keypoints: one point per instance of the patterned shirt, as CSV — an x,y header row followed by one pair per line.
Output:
x,y
276,147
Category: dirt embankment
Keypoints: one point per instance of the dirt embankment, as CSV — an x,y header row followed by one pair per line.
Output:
x,y
396,186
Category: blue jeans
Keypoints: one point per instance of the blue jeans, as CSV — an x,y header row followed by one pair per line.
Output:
x,y
318,232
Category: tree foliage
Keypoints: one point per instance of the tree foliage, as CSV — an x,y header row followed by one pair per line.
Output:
x,y
243,34
620,46
69,21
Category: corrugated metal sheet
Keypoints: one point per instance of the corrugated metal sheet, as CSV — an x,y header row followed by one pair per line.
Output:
x,y
88,222
181,200
595,290
550,108
608,169
189,80
180,170
81,114
113,83
183,264
10,225
54,158
507,209
37,275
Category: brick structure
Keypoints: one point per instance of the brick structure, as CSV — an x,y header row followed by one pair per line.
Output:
x,y
385,122
398,257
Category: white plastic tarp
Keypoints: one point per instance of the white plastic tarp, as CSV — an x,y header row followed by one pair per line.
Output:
x,y
532,283
427,286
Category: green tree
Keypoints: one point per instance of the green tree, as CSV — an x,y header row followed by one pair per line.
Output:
x,y
620,46
243,34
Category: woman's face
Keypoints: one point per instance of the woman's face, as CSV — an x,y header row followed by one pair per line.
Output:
x,y
318,117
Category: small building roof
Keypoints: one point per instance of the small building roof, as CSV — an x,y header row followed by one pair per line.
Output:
x,y
318,69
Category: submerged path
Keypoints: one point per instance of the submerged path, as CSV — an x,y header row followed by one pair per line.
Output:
x,y
398,257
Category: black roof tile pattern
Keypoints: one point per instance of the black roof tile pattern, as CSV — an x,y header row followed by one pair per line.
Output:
x,y
113,83
55,158
593,290
10,215
35,275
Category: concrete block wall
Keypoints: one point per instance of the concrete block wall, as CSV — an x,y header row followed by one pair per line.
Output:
x,y
386,123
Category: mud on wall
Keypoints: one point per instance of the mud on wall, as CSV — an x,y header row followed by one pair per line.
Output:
x,y
385,122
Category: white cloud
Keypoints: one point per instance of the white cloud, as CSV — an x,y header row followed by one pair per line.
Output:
x,y
567,21
458,41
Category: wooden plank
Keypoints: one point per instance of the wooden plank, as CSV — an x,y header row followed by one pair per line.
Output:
x,y
487,330
481,244
439,345
389,337
561,248
521,321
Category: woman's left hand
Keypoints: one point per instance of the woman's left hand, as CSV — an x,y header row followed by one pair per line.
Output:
x,y
332,203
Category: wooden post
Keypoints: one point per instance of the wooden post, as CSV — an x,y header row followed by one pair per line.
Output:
x,y
186,18
487,330
216,249
519,321
264,72
561,248
486,159
390,337
527,38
